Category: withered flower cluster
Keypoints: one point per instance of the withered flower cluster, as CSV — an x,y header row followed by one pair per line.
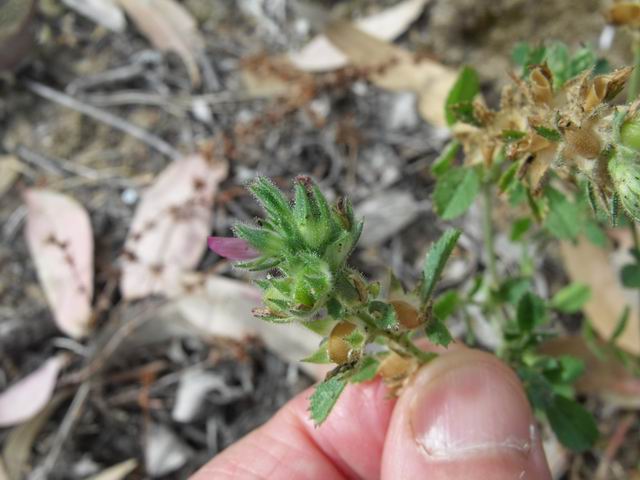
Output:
x,y
573,130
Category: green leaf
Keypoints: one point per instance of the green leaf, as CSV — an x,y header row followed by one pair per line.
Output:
x,y
446,157
509,136
320,356
621,325
325,397
512,290
455,192
595,234
438,333
571,298
572,424
465,89
508,177
435,261
519,228
565,219
446,304
572,368
384,315
531,312
366,370
630,275
321,326
550,134
465,112
582,60
559,63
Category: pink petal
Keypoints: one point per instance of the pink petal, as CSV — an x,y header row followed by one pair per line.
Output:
x,y
232,248
27,397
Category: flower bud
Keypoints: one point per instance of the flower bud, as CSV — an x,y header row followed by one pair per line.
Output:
x,y
303,291
624,169
630,133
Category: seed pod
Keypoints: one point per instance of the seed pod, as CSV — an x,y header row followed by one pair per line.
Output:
x,y
624,168
340,351
406,313
584,142
396,370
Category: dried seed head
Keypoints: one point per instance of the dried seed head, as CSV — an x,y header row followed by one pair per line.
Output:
x,y
540,84
583,141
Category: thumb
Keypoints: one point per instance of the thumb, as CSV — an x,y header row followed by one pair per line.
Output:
x,y
465,415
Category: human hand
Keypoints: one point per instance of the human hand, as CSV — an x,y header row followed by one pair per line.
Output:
x,y
464,416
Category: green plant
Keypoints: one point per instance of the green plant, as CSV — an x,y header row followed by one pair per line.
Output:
x,y
565,158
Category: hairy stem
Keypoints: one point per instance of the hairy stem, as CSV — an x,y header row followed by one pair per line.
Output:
x,y
400,341
636,241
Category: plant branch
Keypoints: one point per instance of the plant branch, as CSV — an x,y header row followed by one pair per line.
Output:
x,y
488,234
634,82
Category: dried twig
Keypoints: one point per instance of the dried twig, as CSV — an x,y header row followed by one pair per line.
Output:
x,y
102,116
70,419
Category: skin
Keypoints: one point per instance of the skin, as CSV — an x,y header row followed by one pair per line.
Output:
x,y
464,415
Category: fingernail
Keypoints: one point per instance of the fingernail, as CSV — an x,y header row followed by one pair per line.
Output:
x,y
471,409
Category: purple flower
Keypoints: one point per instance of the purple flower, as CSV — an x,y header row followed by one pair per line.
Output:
x,y
232,248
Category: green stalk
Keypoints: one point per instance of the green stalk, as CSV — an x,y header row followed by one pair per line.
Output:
x,y
401,341
634,83
636,240
488,233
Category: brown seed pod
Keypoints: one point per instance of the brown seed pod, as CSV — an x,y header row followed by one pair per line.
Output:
x,y
340,351
406,313
395,370
583,141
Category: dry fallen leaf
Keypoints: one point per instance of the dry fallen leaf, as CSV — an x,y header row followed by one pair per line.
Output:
x,y
401,70
589,264
60,239
169,27
604,376
116,472
222,307
18,444
164,451
320,55
102,12
168,234
31,394
10,168
195,385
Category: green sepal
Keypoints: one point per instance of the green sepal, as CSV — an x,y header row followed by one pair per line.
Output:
x,y
320,356
384,315
550,134
365,370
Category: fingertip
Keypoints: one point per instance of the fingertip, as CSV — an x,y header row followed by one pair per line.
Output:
x,y
465,415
